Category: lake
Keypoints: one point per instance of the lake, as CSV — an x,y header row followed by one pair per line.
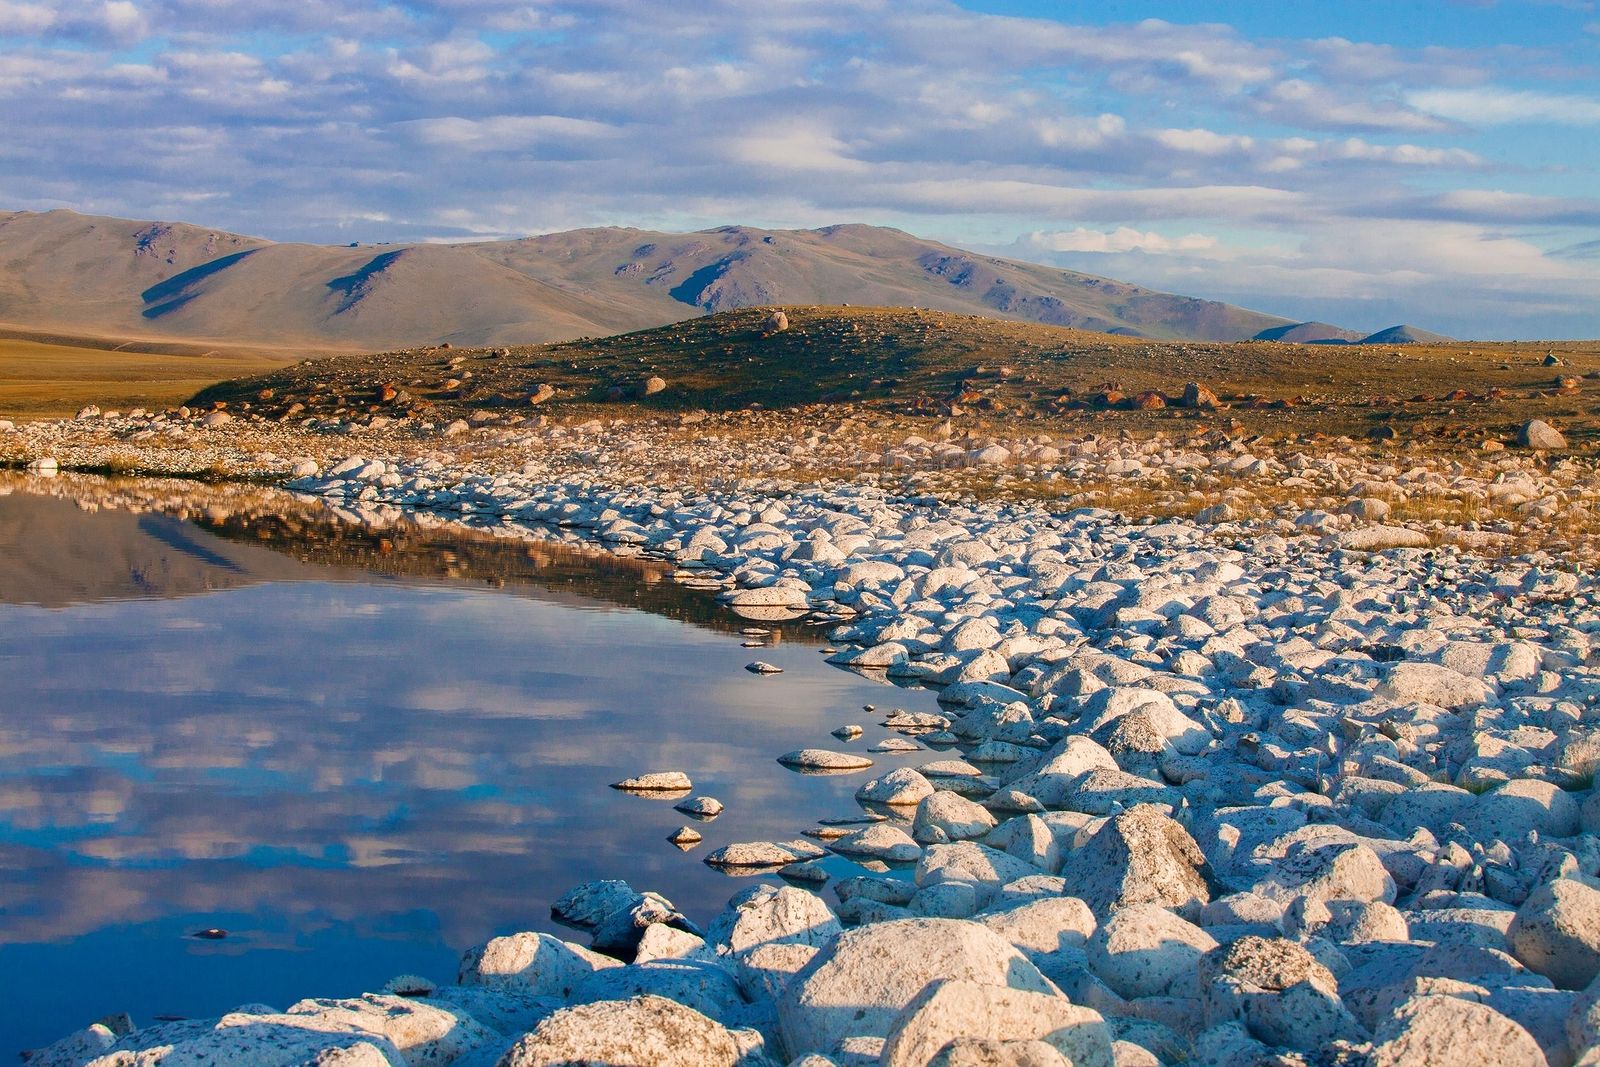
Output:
x,y
357,747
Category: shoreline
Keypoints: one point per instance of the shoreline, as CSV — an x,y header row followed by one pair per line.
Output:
x,y
1270,783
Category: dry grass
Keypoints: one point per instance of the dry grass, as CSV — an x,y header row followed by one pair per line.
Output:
x,y
40,379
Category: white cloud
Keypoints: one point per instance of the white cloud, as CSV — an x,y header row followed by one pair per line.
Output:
x,y
22,19
1132,143
1205,142
503,132
1491,106
1122,239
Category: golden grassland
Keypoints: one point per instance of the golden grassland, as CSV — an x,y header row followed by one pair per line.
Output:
x,y
47,376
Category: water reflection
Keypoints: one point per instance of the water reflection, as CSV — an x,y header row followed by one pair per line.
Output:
x,y
351,753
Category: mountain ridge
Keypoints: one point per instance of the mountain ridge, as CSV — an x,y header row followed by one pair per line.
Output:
x,y
61,270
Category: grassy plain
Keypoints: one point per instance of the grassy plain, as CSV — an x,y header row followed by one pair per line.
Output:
x,y
48,375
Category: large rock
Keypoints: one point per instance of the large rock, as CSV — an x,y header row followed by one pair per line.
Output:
x,y
424,1033
249,1040
986,1052
985,869
1051,931
880,842
1557,932
586,905
948,1010
643,1030
1344,870
901,786
1146,951
1278,990
1442,1031
1519,807
1430,683
946,816
539,964
1540,436
1139,857
859,983
695,983
766,915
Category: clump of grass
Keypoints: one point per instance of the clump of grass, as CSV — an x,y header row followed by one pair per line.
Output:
x,y
217,470
122,463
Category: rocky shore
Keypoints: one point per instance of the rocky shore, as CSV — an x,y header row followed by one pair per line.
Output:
x,y
1252,752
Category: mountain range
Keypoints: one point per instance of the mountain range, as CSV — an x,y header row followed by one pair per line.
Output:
x,y
91,275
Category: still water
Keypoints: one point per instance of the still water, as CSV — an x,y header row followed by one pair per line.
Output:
x,y
358,751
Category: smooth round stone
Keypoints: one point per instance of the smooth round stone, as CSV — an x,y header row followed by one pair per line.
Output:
x,y
880,842
895,744
822,759
700,807
762,667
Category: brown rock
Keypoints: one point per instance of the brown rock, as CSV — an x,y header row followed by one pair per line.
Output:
x,y
1196,395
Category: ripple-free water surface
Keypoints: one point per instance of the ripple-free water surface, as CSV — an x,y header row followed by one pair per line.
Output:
x,y
357,773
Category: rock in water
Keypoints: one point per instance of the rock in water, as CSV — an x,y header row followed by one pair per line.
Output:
x,y
685,837
762,667
700,807
822,759
655,782
902,785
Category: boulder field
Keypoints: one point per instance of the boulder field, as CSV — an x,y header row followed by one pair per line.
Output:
x,y
1259,797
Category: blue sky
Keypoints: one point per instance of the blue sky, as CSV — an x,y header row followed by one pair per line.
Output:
x,y
1364,163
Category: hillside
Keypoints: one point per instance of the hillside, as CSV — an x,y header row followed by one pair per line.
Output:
x,y
1309,333
80,274
936,363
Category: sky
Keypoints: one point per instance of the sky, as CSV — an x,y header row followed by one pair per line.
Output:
x,y
1436,163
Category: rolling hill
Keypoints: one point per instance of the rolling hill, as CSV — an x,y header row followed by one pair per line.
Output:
x,y
900,360
89,275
